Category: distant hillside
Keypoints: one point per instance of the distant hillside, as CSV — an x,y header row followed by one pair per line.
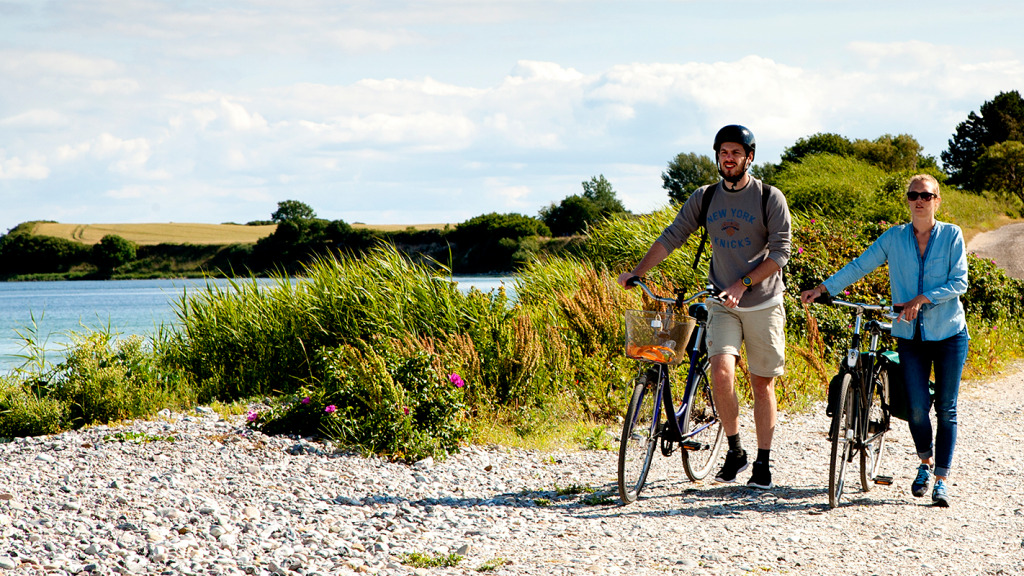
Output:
x,y
152,234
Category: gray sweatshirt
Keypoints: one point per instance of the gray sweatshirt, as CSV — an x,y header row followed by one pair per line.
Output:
x,y
738,237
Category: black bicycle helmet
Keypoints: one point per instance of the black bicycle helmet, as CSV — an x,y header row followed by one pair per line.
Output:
x,y
736,133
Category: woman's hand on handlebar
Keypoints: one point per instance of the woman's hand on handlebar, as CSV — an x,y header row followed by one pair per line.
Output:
x,y
808,296
911,309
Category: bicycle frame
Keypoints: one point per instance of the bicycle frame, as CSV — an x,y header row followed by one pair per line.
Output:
x,y
652,397
696,355
855,429
863,366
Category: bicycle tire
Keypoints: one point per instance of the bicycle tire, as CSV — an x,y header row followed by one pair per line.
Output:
x,y
638,442
843,420
700,412
877,419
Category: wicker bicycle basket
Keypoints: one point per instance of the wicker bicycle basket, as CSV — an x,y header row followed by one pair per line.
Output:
x,y
657,336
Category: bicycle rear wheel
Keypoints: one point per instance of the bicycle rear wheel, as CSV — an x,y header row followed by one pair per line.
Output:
x,y
700,449
639,439
877,425
843,420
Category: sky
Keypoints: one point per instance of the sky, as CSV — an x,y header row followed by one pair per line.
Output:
x,y
436,111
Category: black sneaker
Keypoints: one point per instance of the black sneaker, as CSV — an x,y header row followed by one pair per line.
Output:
x,y
735,462
761,478
924,477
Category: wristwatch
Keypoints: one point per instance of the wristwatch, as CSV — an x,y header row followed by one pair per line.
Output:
x,y
747,282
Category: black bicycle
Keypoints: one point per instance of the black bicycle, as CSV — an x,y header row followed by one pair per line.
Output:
x,y
659,340
860,400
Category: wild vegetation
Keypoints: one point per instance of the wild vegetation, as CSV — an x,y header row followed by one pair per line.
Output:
x,y
380,350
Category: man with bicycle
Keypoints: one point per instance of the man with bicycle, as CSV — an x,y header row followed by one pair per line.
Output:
x,y
749,226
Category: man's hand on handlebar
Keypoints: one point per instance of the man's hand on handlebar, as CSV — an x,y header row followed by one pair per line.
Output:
x,y
731,296
625,280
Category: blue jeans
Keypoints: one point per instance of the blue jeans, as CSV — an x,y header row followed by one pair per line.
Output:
x,y
917,358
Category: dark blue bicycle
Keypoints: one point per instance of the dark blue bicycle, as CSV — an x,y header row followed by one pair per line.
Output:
x,y
659,340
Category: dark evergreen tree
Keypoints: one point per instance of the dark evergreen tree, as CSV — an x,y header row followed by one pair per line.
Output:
x,y
999,120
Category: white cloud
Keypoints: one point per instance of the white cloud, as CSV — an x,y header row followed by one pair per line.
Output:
x,y
238,118
36,118
34,64
18,169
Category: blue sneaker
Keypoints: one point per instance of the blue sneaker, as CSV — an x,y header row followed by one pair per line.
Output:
x,y
940,497
920,485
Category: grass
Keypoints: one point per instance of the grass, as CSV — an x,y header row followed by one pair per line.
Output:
x,y
492,564
158,233
137,437
420,560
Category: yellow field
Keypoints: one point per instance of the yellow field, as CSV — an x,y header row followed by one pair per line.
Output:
x,y
183,233
150,234
399,227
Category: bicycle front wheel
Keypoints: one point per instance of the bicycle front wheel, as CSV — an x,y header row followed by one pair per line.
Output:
x,y
842,433
877,425
639,439
702,429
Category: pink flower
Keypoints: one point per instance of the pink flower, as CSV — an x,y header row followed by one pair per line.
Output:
x,y
331,409
406,410
812,220
799,250
306,400
456,380
252,416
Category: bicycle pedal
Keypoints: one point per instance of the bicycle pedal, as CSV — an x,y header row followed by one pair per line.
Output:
x,y
691,445
883,480
667,447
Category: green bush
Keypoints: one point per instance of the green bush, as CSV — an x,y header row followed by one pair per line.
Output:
x,y
112,251
25,413
101,380
24,253
991,294
381,399
831,185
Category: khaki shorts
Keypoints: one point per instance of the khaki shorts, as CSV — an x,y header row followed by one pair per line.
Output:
x,y
762,331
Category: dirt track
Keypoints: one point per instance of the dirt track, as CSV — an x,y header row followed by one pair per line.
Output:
x,y
1004,245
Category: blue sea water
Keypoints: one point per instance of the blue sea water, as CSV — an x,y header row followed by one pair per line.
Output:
x,y
48,312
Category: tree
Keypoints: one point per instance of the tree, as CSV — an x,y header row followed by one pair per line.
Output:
x,y
292,211
687,172
820,143
571,216
766,172
888,152
575,213
599,191
1000,119
25,253
112,251
1001,168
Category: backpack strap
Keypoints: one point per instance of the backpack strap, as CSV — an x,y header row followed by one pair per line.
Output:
x,y
702,220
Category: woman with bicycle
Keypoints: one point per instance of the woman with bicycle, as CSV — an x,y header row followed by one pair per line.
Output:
x,y
927,274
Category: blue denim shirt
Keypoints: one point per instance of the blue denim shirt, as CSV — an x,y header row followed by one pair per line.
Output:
x,y
941,275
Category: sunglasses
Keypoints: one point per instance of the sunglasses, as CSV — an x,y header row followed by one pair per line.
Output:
x,y
926,196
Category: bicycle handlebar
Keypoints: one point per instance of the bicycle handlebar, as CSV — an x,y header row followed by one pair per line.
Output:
x,y
680,300
860,307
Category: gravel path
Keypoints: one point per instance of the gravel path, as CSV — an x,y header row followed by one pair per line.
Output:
x,y
219,499
1004,245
